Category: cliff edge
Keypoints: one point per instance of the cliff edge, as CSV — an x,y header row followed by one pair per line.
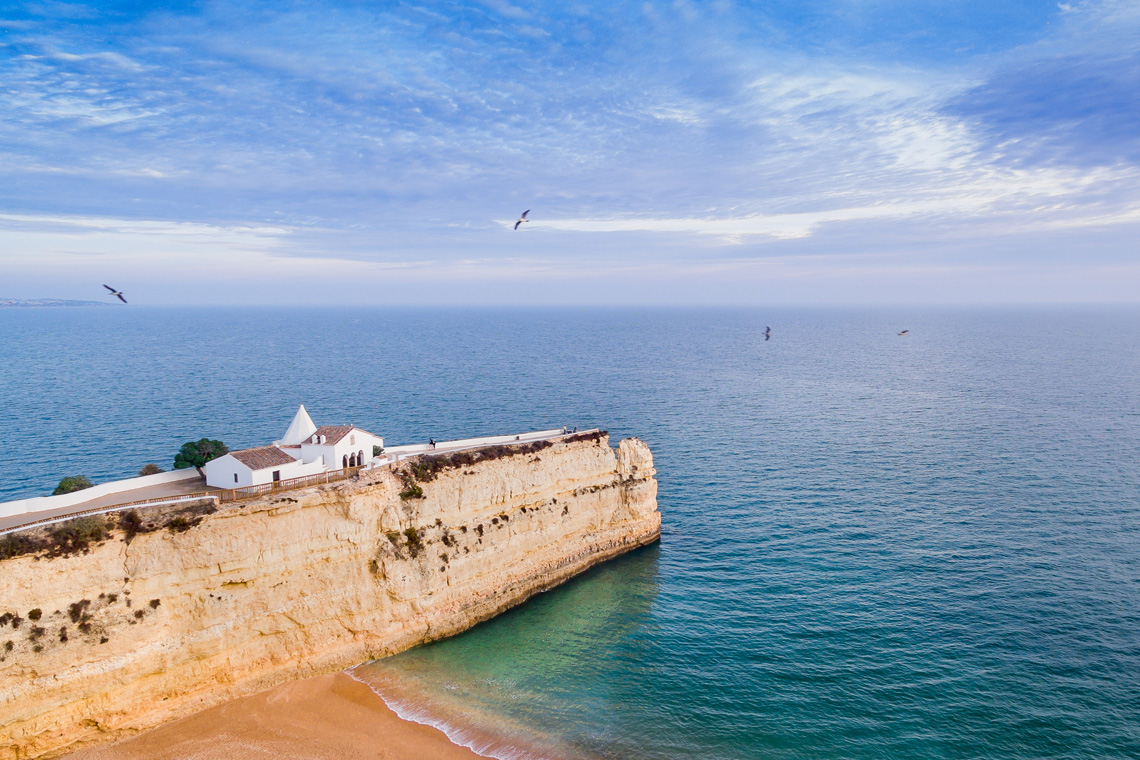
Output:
x,y
99,645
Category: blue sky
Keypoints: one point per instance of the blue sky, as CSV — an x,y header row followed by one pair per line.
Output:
x,y
847,151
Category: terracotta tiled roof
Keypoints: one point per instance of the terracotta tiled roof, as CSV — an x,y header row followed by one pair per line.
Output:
x,y
262,457
333,433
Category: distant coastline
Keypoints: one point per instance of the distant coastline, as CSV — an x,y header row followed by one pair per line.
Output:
x,y
32,303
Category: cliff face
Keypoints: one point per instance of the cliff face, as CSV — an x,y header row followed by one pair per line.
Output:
x,y
130,635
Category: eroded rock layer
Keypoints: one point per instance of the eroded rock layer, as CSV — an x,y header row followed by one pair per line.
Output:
x,y
132,634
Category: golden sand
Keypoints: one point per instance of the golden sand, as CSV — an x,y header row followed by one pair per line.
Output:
x,y
328,717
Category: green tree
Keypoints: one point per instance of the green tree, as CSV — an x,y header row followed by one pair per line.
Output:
x,y
150,469
197,453
72,483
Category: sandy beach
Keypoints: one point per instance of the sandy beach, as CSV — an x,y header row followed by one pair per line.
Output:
x,y
330,716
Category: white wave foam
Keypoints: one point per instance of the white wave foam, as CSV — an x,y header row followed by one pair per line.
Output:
x,y
457,735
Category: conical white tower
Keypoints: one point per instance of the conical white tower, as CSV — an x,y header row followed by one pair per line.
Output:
x,y
299,429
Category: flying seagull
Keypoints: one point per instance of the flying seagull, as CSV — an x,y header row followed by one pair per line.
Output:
x,y
522,218
905,332
767,333
115,293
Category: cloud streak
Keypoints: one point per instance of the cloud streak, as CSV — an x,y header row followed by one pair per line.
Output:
x,y
400,136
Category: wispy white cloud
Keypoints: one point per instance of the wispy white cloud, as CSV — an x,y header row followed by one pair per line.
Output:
x,y
106,57
992,196
388,137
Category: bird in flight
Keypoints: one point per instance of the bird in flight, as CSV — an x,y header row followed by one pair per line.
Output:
x,y
115,293
767,333
905,332
522,218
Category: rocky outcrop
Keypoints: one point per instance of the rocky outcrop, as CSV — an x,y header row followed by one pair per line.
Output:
x,y
133,634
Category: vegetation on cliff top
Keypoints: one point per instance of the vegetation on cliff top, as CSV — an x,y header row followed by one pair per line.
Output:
x,y
596,436
71,537
71,484
78,535
426,468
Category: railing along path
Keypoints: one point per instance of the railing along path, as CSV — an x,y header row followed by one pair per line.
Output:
x,y
221,496
230,495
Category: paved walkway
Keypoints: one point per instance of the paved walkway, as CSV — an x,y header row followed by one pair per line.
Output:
x,y
177,488
192,485
443,447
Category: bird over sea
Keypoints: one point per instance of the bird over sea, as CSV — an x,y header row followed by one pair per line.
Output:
x,y
115,293
522,218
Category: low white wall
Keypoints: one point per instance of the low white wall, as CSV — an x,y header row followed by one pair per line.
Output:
x,y
393,452
41,503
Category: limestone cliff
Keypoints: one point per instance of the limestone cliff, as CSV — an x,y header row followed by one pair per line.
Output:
x,y
132,634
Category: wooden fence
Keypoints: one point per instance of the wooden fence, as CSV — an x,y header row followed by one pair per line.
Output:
x,y
229,495
252,492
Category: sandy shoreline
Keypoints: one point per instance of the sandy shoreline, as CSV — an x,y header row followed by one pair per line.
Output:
x,y
329,717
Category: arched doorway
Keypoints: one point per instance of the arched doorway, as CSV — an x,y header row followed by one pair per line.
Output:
x,y
345,463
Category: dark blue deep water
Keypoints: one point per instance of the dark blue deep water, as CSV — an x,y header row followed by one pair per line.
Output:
x,y
874,546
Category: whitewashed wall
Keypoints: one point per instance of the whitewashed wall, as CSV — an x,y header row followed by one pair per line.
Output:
x,y
42,503
295,469
334,454
227,472
462,443
220,472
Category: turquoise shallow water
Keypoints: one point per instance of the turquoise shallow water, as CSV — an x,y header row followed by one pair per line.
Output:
x,y
873,546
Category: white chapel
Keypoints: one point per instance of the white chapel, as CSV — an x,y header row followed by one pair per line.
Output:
x,y
305,449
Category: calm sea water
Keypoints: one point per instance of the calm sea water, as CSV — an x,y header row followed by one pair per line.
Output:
x,y
874,546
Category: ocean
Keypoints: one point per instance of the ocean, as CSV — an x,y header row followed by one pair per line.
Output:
x,y
873,545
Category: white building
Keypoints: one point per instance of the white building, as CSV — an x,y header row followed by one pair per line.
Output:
x,y
299,429
305,449
340,446
255,467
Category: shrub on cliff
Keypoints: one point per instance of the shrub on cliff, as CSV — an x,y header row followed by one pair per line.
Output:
x,y
77,535
427,468
377,450
411,489
77,611
197,453
595,437
150,469
71,484
17,544
131,523
415,544
180,524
